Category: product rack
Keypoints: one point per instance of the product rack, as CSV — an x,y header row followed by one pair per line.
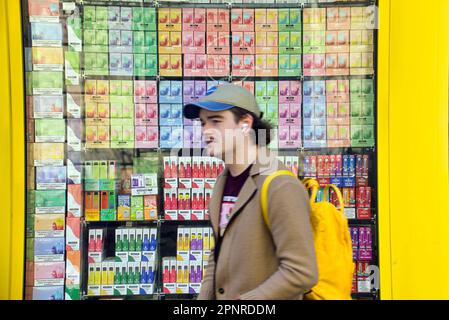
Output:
x,y
163,224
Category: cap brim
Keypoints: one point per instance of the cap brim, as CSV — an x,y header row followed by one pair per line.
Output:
x,y
192,110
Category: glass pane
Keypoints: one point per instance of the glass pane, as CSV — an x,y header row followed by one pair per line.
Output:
x,y
118,183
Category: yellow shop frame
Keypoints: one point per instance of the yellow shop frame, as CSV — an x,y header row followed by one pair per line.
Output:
x,y
413,166
12,159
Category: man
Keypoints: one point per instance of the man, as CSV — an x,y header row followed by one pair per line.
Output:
x,y
250,260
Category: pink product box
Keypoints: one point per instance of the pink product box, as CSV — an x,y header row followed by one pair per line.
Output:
x,y
49,273
337,41
218,65
314,65
242,19
290,92
243,65
147,136
290,114
217,19
193,19
218,42
193,90
243,43
195,65
337,64
290,137
146,114
145,91
193,42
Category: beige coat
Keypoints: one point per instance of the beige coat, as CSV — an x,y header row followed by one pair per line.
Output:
x,y
253,262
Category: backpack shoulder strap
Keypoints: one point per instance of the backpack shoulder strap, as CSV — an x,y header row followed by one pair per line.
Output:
x,y
264,192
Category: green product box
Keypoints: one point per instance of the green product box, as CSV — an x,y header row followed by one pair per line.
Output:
x,y
290,65
47,83
72,68
100,65
149,19
122,133
91,184
108,213
146,163
89,39
137,208
72,292
138,18
115,88
138,42
362,136
272,113
289,19
50,201
107,184
89,17
290,42
128,89
145,65
101,16
150,42
49,130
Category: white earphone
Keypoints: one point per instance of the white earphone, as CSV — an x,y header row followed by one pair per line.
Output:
x,y
245,127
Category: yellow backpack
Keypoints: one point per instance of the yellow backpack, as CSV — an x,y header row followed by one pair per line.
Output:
x,y
332,241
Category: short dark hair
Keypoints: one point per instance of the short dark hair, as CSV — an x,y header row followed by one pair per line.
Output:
x,y
259,125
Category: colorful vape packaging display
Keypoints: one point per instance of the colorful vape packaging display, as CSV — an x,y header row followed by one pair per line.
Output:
x,y
362,112
184,273
193,32
73,232
146,114
314,114
49,201
291,162
49,249
45,107
266,93
338,120
49,274
362,40
188,184
170,43
290,103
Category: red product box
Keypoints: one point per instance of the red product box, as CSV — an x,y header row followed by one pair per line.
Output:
x,y
218,65
242,19
363,213
314,64
313,165
217,20
145,91
193,19
320,166
243,65
339,163
243,43
327,166
217,42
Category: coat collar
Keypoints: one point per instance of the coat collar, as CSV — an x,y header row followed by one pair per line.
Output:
x,y
260,166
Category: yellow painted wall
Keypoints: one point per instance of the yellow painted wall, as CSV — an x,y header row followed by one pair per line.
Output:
x,y
413,144
12,155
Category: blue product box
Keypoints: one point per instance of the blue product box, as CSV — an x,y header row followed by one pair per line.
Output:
x,y
48,293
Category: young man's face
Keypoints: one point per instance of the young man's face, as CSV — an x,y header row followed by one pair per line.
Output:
x,y
221,132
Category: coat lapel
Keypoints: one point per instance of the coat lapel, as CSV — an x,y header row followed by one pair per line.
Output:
x,y
215,201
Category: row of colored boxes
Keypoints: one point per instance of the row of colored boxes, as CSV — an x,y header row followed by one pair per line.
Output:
x,y
184,273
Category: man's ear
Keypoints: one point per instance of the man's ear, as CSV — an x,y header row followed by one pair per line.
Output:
x,y
246,121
